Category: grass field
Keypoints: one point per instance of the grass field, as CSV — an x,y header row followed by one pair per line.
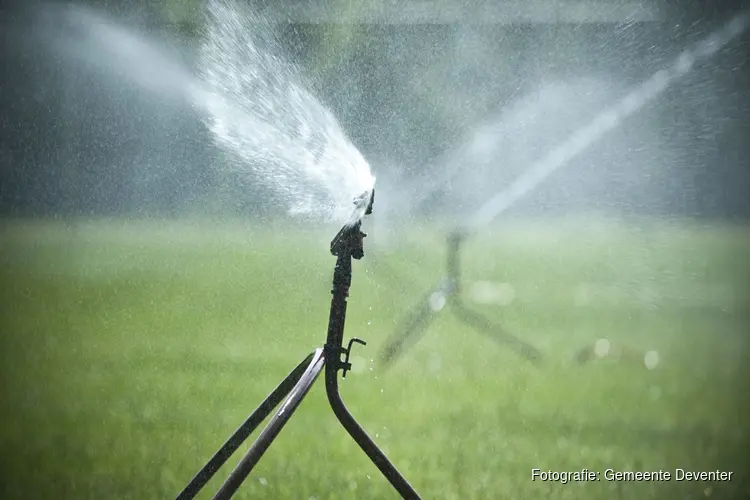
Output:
x,y
131,350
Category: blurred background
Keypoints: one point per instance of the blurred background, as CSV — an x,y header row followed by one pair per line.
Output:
x,y
151,298
415,87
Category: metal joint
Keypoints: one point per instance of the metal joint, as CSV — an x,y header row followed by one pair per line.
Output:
x,y
346,365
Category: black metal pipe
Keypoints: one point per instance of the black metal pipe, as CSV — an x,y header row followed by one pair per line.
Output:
x,y
243,431
334,345
272,430
342,280
454,260
391,473
493,331
346,245
409,330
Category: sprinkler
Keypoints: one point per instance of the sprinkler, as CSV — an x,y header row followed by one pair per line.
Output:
x,y
447,292
415,323
345,246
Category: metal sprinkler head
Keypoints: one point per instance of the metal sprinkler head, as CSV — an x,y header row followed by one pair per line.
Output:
x,y
349,239
367,197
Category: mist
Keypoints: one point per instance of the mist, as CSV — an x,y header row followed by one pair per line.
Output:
x,y
519,229
125,87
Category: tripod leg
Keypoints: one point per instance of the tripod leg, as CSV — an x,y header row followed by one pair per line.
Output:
x,y
266,437
493,331
412,327
360,436
243,431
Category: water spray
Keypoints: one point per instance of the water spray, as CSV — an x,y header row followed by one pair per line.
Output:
x,y
415,323
607,120
271,127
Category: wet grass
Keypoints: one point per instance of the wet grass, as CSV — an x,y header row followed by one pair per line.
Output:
x,y
130,351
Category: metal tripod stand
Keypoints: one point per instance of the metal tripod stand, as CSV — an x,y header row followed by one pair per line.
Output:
x,y
347,245
415,323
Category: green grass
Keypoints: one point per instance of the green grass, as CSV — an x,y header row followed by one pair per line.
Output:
x,y
131,350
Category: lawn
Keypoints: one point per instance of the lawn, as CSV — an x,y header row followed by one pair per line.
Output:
x,y
132,349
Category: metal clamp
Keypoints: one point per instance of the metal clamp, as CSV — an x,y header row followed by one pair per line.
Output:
x,y
346,365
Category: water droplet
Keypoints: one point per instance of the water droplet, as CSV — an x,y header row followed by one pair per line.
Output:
x,y
651,360
358,364
369,323
601,348
264,121
262,481
437,301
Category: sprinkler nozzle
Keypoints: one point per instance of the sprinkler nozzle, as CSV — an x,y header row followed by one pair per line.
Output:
x,y
349,238
366,197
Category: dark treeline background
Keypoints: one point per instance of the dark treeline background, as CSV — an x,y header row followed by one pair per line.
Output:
x,y
75,140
